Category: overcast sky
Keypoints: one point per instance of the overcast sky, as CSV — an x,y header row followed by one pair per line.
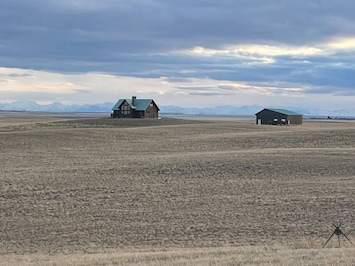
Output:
x,y
196,53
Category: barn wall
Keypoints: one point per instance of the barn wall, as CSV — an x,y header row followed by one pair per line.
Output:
x,y
267,117
295,119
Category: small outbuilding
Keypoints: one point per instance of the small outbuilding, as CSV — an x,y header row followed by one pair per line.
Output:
x,y
135,108
278,117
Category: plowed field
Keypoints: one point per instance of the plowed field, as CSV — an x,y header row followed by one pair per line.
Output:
x,y
92,184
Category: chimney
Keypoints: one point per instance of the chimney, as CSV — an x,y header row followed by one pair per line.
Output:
x,y
134,100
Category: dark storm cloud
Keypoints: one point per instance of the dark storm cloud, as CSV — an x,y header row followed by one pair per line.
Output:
x,y
101,31
139,37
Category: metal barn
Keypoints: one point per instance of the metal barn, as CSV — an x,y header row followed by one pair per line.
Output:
x,y
278,117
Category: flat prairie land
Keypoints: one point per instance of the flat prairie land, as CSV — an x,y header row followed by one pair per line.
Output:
x,y
78,191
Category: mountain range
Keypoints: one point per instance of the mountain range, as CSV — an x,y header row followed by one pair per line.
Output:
x,y
170,109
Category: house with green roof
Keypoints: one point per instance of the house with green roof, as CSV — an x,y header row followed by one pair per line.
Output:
x,y
135,108
269,116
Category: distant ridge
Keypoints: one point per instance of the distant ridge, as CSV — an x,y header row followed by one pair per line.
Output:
x,y
170,109
217,110
55,107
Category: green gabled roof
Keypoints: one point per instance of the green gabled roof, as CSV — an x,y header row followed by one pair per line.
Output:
x,y
141,104
119,102
281,111
284,111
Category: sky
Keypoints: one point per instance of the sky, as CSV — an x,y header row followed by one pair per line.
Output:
x,y
189,53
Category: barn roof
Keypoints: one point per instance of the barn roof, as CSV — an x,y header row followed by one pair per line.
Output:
x,y
141,104
281,111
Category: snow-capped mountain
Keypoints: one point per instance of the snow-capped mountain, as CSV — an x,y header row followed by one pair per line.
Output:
x,y
55,107
217,110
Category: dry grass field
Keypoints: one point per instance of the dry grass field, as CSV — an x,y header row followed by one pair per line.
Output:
x,y
99,191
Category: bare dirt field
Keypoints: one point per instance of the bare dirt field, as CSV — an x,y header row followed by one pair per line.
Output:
x,y
72,185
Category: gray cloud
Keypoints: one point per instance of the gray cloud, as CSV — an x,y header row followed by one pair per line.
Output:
x,y
142,38
102,30
192,88
205,93
81,91
19,75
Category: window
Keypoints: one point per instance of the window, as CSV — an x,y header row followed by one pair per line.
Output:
x,y
125,109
